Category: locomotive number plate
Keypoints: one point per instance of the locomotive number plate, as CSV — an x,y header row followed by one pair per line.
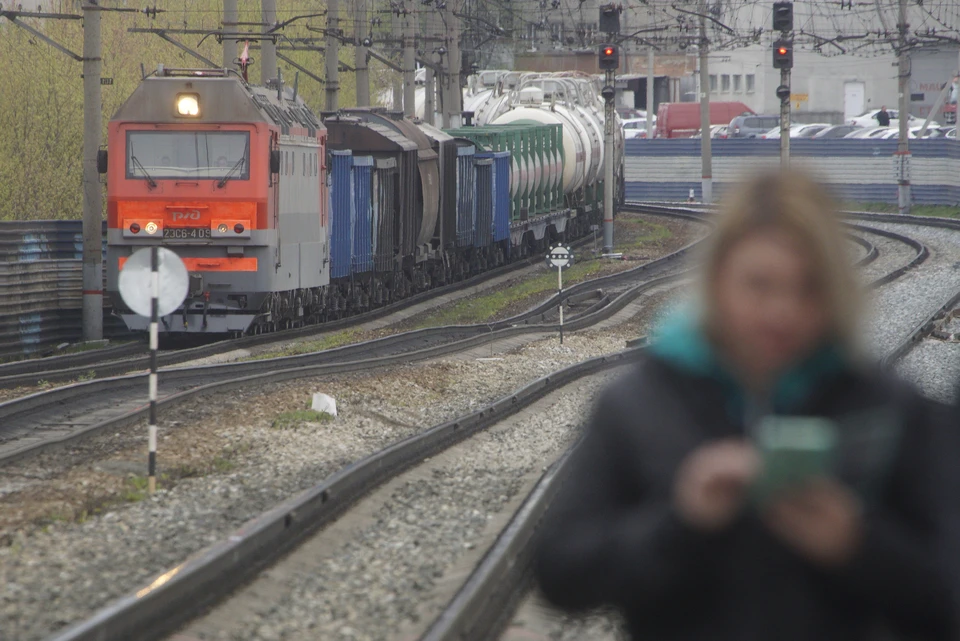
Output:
x,y
187,233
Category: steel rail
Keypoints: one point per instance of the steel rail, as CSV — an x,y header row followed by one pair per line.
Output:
x,y
125,393
24,373
179,593
487,599
480,607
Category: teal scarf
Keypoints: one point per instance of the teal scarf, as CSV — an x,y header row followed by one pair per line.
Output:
x,y
681,342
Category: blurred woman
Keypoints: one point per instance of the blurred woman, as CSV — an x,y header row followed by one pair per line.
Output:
x,y
657,517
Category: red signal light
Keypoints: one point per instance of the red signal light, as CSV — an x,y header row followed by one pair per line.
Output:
x,y
782,51
608,51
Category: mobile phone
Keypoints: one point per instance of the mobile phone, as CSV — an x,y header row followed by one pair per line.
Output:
x,y
793,449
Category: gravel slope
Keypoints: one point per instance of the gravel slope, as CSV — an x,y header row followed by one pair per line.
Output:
x,y
81,566
58,575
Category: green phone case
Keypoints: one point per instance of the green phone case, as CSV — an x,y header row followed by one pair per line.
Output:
x,y
794,449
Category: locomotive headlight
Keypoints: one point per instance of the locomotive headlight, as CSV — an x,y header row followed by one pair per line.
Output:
x,y
188,104
151,228
222,228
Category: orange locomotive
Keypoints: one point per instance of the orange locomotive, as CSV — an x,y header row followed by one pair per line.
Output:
x,y
233,178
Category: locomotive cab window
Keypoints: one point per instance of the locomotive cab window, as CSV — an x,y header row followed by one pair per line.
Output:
x,y
190,155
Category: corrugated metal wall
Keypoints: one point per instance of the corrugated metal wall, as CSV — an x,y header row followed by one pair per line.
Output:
x,y
857,170
484,199
342,214
466,194
363,209
501,196
41,284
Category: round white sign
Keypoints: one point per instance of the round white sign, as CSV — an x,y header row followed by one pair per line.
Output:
x,y
560,257
135,282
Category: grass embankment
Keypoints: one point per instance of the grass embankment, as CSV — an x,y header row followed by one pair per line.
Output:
x,y
328,341
633,236
636,234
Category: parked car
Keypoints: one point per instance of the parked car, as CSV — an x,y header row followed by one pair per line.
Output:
x,y
809,130
716,131
796,131
746,126
629,113
835,131
868,132
682,119
635,128
951,133
931,132
869,119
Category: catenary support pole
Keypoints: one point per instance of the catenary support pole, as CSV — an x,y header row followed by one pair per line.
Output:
x,y
903,142
396,31
706,162
154,345
268,48
332,56
92,194
360,60
453,100
229,24
650,84
609,118
409,63
429,95
785,122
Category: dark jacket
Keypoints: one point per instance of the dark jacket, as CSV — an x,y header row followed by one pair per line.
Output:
x,y
883,118
611,537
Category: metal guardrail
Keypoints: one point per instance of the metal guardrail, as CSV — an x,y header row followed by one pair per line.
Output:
x,y
41,286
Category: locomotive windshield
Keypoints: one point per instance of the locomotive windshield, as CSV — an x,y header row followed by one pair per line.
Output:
x,y
193,155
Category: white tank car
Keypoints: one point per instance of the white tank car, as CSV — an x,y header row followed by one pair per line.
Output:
x,y
571,100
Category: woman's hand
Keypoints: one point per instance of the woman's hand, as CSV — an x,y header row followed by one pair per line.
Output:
x,y
822,521
711,482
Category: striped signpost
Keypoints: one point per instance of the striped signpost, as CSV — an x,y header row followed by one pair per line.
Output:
x,y
153,282
560,257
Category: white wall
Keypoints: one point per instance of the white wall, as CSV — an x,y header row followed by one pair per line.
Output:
x,y
821,78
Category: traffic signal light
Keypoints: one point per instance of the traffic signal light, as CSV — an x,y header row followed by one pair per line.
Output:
x,y
783,16
783,54
609,57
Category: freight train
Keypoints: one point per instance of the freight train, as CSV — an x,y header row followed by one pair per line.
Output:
x,y
284,218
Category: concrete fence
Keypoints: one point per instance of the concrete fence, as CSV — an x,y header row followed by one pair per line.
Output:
x,y
857,170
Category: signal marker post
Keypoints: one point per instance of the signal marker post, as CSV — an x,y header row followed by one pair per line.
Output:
x,y
609,62
560,257
783,60
154,345
153,282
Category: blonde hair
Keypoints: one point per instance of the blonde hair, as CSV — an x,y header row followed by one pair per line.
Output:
x,y
795,203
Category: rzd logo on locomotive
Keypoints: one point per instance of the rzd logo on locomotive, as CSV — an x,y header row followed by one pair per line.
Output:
x,y
186,215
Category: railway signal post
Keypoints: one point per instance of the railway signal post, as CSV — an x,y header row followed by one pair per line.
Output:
x,y
560,257
783,60
92,196
153,282
609,62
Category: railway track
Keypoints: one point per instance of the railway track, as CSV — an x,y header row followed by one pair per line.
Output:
x,y
61,415
129,357
492,587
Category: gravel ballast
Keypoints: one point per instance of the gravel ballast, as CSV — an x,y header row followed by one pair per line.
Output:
x,y
385,581
898,307
62,573
82,566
